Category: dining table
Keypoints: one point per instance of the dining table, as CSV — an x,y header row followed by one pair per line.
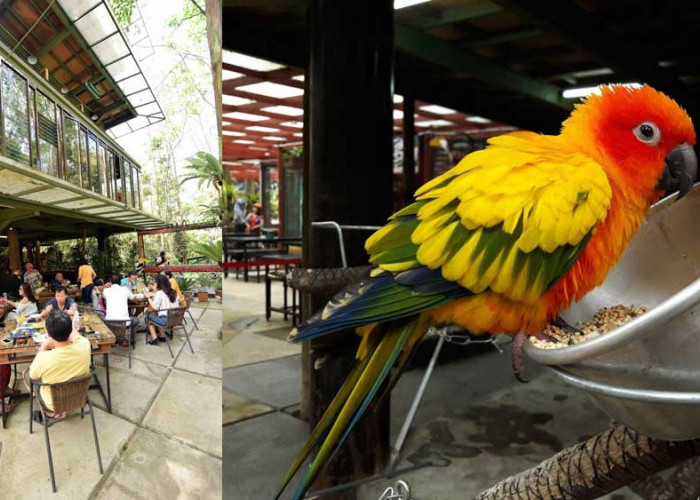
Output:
x,y
18,351
243,247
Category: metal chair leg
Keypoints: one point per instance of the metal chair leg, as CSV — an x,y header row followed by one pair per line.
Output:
x,y
168,344
48,451
31,408
187,336
128,348
194,322
94,434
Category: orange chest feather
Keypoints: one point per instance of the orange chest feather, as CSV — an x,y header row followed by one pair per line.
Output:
x,y
601,254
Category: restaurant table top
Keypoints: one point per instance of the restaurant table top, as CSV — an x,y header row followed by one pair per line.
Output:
x,y
102,335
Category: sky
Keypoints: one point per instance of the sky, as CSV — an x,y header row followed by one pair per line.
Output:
x,y
157,61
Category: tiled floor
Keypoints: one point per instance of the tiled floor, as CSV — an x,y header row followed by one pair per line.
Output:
x,y
162,440
474,418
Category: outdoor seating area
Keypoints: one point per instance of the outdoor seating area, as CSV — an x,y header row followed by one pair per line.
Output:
x,y
145,442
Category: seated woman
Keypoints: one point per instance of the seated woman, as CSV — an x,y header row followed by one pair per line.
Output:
x,y
26,305
164,298
98,304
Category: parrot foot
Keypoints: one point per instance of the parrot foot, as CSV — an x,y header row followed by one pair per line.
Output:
x,y
517,356
564,325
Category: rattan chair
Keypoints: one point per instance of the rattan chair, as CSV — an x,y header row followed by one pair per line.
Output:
x,y
122,331
176,316
66,396
188,302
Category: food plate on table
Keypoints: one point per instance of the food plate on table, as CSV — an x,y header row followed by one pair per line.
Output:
x,y
22,332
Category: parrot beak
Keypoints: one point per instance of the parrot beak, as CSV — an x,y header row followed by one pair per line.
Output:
x,y
680,172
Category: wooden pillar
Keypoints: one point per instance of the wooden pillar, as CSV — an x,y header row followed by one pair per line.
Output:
x,y
13,243
101,253
348,178
37,257
139,240
409,143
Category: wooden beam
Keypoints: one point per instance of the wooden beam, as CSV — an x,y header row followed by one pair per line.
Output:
x,y
447,55
581,30
15,257
459,13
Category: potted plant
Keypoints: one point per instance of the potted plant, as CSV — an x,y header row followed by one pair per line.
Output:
x,y
219,288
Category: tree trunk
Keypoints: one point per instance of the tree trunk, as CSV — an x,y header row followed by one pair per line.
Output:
x,y
604,463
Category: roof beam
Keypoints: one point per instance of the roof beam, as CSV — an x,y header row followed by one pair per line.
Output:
x,y
570,22
445,54
510,36
460,13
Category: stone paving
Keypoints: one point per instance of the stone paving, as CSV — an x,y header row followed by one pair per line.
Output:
x,y
475,419
161,441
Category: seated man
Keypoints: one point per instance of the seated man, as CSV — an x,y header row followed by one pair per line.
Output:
x,y
116,299
130,281
65,355
60,301
57,281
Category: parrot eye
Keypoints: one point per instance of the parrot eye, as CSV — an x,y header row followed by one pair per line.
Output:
x,y
648,133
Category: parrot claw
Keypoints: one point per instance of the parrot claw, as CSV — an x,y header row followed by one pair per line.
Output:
x,y
564,325
518,361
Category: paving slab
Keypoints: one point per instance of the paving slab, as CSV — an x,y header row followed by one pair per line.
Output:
x,y
237,408
158,354
131,394
188,407
257,454
156,466
139,368
246,348
205,360
75,462
276,382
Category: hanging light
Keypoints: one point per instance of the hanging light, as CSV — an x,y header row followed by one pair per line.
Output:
x,y
94,117
32,60
64,90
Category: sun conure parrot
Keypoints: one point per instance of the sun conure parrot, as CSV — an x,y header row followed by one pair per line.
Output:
x,y
504,241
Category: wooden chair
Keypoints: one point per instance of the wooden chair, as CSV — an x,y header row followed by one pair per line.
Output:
x,y
176,317
188,302
122,331
66,396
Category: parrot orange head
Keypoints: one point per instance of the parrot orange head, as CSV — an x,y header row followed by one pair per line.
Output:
x,y
640,136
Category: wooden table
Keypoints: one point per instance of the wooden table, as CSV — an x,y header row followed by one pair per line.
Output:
x,y
16,353
243,251
45,295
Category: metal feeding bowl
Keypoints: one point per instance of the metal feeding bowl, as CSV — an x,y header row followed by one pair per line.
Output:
x,y
646,373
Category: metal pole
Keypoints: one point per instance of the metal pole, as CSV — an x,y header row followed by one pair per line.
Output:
x,y
396,449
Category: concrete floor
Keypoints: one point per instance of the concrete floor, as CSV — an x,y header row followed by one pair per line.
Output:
x,y
475,419
161,441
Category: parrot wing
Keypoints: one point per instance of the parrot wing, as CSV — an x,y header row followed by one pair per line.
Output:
x,y
512,219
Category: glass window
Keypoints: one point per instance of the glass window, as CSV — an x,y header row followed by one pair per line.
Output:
x,y
110,174
48,134
118,184
32,129
134,192
71,148
104,170
16,119
137,186
126,169
84,170
94,167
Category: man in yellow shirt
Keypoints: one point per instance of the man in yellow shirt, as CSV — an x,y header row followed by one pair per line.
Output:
x,y
176,287
86,275
65,355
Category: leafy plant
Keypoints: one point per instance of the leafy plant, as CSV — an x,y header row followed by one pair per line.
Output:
x,y
186,282
212,251
204,167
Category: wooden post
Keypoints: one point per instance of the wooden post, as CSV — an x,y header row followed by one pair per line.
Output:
x,y
37,258
139,239
409,143
348,178
13,243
